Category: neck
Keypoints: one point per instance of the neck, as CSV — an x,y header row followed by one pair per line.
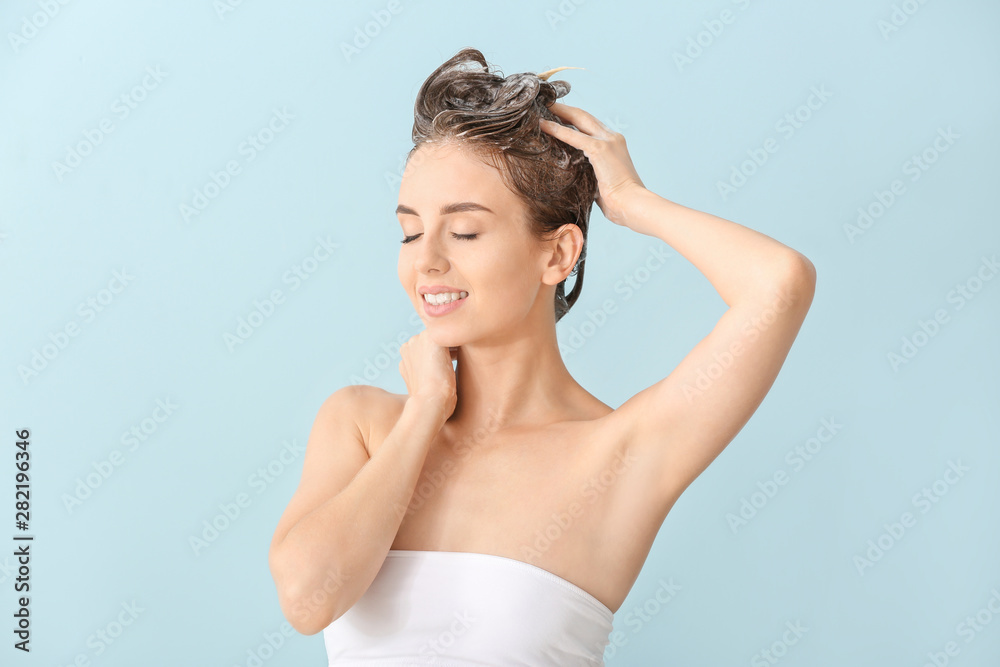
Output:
x,y
518,381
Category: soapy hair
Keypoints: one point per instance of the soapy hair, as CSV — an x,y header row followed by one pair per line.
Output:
x,y
497,118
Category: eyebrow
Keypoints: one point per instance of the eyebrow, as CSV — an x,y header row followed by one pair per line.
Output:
x,y
457,207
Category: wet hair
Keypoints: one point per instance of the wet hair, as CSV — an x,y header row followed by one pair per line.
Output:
x,y
497,118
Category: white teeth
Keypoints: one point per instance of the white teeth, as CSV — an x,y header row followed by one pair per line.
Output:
x,y
444,297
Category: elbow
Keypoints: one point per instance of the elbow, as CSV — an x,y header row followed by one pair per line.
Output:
x,y
309,612
305,624
308,609
797,279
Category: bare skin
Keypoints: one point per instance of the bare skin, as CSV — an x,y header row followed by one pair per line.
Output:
x,y
500,493
509,438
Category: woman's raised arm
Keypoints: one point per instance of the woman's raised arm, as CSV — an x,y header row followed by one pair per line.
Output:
x,y
683,422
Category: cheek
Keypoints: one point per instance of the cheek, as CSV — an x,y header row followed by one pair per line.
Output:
x,y
508,276
404,264
404,269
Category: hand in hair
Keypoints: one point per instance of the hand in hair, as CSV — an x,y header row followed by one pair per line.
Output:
x,y
617,179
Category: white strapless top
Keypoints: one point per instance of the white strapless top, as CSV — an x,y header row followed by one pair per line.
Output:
x,y
457,609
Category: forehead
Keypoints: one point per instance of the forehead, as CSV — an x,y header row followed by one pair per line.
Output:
x,y
438,171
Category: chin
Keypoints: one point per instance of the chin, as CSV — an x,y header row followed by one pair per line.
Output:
x,y
443,338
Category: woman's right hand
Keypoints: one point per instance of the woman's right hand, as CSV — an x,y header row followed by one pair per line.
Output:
x,y
426,368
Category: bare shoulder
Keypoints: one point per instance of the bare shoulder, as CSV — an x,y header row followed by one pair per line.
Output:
x,y
375,410
336,450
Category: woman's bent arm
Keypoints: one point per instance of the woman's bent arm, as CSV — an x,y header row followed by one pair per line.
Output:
x,y
342,520
684,421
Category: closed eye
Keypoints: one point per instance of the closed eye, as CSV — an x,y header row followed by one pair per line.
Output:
x,y
465,237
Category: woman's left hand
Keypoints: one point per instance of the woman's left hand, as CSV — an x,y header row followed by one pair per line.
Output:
x,y
617,178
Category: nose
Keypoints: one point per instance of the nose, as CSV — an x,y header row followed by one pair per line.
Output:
x,y
429,256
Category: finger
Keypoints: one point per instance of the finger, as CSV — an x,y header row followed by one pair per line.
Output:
x,y
581,119
574,138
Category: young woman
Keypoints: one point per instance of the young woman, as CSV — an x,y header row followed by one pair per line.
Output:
x,y
498,513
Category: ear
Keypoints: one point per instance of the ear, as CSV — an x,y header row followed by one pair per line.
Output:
x,y
565,249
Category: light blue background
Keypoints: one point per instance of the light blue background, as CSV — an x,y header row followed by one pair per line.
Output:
x,y
332,172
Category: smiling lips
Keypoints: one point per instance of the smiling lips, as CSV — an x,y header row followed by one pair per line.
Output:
x,y
441,294
442,303
442,298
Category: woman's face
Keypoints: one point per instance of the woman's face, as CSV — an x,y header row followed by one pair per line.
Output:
x,y
452,241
